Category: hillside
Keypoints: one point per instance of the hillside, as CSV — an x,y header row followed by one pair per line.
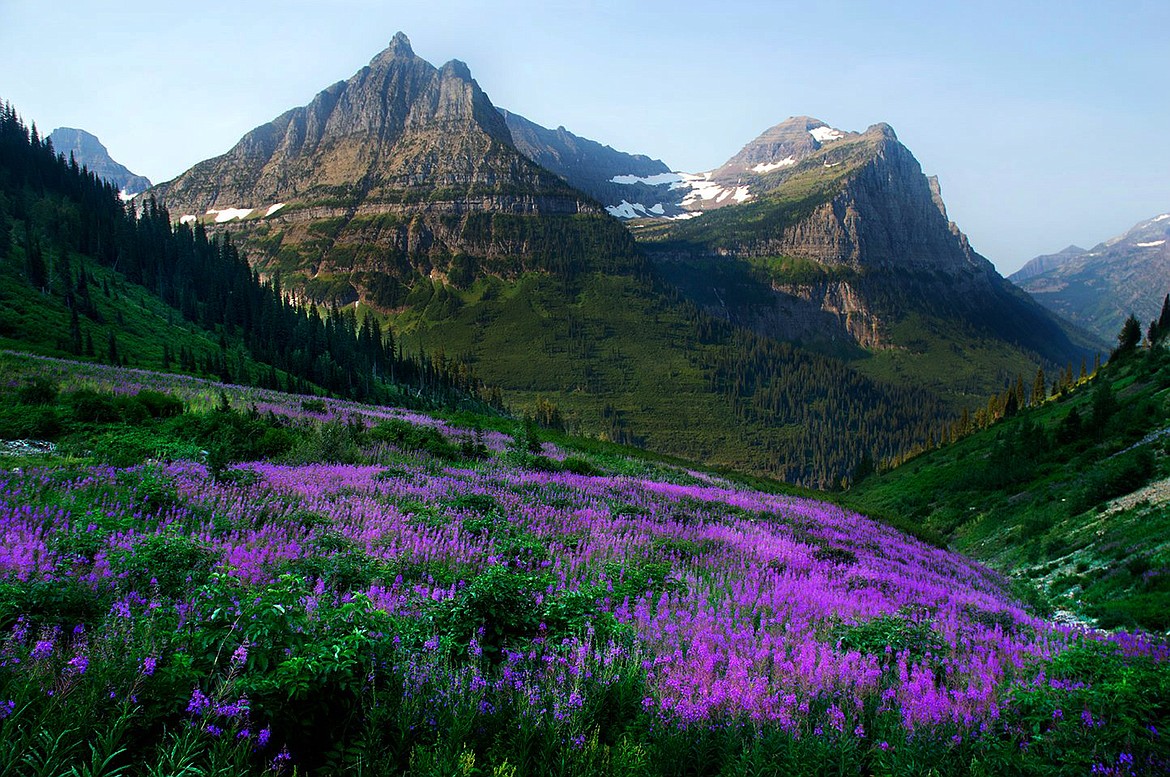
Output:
x,y
332,586
1099,288
1071,494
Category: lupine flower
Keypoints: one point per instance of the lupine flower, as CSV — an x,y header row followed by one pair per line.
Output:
x,y
148,665
77,665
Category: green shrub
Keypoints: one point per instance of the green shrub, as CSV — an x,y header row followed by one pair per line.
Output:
x,y
579,466
89,406
38,391
36,422
409,437
173,562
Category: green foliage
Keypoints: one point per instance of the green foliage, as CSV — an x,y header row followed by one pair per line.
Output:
x,y
413,437
886,636
38,391
1035,490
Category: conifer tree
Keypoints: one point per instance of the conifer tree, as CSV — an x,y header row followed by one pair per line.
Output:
x,y
1039,387
1130,336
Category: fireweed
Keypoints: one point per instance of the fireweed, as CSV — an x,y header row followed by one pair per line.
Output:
x,y
440,616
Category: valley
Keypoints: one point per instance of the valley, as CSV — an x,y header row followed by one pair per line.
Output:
x,y
410,436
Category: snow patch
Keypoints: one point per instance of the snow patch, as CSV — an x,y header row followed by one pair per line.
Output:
x,y
272,209
770,166
691,214
741,194
1150,244
659,179
825,134
635,210
126,196
1163,217
188,219
702,188
227,214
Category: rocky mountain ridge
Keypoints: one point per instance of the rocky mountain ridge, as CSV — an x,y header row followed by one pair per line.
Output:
x,y
1100,287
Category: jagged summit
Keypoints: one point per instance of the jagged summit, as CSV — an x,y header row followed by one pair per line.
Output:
x,y
780,146
399,45
397,131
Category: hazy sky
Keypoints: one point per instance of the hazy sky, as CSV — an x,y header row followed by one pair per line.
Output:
x,y
1046,122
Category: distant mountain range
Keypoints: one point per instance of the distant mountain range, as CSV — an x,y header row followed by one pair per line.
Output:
x,y
803,307
1099,288
89,152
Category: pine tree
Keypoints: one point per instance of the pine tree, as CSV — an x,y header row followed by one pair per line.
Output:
x,y
1129,338
1039,387
76,343
1164,318
112,348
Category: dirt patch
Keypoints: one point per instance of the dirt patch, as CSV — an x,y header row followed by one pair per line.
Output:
x,y
1155,494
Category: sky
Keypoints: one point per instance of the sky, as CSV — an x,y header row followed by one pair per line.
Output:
x,y
1046,122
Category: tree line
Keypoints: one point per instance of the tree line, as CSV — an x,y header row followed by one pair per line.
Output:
x,y
53,209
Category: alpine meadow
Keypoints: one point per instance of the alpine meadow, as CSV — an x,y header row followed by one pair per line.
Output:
x,y
408,436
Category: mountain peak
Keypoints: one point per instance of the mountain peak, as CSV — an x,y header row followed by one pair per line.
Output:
x,y
398,49
400,45
883,129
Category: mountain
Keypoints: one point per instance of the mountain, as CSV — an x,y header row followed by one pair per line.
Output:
x,y
799,321
1044,263
607,175
838,238
89,152
1099,288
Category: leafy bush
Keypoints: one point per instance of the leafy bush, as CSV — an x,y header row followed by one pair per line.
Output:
x,y
37,422
89,406
172,562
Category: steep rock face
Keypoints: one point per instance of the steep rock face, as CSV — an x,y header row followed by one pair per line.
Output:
x,y
399,129
1042,264
1099,288
854,229
89,152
